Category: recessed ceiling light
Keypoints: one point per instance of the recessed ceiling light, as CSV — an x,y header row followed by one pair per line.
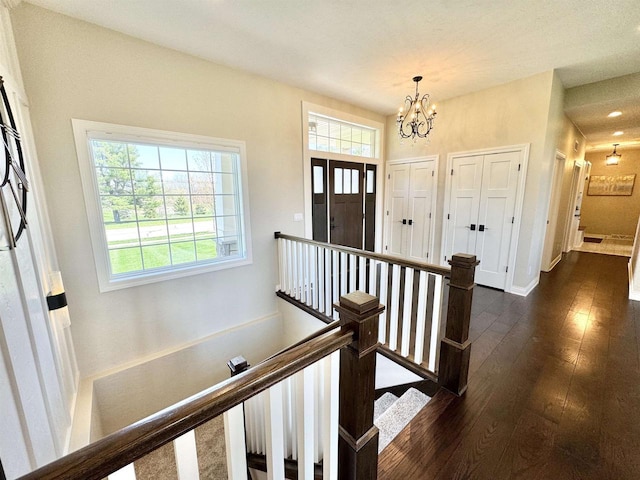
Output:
x,y
618,133
614,114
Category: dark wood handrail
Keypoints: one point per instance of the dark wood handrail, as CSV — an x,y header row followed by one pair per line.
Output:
x,y
427,267
111,453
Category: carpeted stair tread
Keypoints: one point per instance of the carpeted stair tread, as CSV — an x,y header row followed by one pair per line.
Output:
x,y
398,415
382,404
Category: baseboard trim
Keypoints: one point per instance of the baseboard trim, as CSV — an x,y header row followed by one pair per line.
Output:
x,y
555,262
634,294
524,291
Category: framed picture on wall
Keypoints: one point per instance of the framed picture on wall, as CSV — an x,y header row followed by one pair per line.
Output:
x,y
616,185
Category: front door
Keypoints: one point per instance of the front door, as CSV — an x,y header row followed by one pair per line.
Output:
x,y
346,203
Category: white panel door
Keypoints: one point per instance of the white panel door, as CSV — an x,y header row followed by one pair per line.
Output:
x,y
419,210
496,217
398,201
466,185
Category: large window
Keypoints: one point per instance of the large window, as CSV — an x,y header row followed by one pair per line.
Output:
x,y
161,204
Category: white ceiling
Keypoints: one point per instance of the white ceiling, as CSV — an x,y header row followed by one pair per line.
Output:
x,y
366,51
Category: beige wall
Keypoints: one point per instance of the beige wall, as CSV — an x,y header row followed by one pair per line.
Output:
x,y
613,215
514,113
73,69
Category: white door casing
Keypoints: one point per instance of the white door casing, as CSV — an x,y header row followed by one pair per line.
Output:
x,y
548,259
484,193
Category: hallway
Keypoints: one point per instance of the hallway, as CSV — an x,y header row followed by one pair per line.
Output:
x,y
554,386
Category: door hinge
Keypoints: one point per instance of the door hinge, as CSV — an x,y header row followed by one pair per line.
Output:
x,y
448,216
427,255
445,258
433,173
506,268
388,176
387,212
519,165
429,214
452,171
513,219
386,247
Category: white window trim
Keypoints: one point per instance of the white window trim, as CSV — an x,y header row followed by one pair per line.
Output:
x,y
82,129
377,160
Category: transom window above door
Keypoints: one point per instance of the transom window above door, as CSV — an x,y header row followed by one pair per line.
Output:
x,y
327,134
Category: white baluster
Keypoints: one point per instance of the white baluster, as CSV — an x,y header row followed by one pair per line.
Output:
x,y
436,330
362,274
321,278
304,412
343,274
125,473
306,282
371,289
330,417
406,312
274,432
395,300
280,272
420,319
235,443
294,269
336,280
186,454
384,278
328,308
352,273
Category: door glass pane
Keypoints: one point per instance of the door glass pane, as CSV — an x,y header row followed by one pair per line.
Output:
x,y
355,181
318,179
370,181
347,181
337,172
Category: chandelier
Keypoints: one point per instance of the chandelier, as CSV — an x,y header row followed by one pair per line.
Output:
x,y
614,157
415,118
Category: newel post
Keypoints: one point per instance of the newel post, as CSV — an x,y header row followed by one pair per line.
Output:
x,y
455,347
358,436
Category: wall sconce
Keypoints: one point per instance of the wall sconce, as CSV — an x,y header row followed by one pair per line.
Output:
x,y
614,157
57,300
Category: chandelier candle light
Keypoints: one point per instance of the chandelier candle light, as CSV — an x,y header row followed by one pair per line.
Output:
x,y
418,119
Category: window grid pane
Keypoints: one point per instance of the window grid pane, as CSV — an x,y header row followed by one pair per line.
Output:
x,y
165,206
333,135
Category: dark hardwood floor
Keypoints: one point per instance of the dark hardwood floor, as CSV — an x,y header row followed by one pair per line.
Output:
x,y
554,386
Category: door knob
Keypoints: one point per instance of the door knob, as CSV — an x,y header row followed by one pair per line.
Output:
x,y
482,228
404,221
473,226
410,222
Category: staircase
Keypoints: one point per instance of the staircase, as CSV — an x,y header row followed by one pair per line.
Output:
x,y
391,414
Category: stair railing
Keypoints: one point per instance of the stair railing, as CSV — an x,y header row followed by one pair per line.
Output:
x,y
350,440
413,330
